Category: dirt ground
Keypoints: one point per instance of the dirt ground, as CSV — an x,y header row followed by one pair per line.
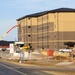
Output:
x,y
60,73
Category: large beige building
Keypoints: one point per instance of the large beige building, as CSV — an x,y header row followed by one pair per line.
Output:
x,y
48,29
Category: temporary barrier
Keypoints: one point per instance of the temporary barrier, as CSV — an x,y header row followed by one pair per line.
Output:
x,y
50,52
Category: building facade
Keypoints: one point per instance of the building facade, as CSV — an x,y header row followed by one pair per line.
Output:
x,y
48,29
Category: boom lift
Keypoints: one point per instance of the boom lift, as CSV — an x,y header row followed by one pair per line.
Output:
x,y
19,25
9,31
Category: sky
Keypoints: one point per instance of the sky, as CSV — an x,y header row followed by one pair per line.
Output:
x,y
11,10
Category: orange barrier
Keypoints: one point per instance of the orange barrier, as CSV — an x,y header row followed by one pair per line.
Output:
x,y
50,52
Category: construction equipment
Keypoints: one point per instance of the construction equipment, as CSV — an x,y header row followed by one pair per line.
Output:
x,y
25,47
9,31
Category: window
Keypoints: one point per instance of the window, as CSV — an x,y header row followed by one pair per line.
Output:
x,y
29,35
29,44
29,18
29,26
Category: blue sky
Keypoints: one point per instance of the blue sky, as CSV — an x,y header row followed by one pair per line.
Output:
x,y
10,10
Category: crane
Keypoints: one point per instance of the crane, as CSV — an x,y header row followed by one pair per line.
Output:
x,y
9,31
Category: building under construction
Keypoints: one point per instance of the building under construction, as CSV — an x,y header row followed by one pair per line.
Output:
x,y
48,29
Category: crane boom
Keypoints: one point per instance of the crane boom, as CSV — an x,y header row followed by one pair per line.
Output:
x,y
8,31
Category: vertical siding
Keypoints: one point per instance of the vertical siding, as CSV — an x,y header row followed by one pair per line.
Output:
x,y
66,21
48,31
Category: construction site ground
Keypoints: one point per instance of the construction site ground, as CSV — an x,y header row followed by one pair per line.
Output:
x,y
52,63
48,64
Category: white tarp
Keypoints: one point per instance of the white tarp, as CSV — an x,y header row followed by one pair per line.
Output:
x,y
11,48
65,50
16,54
26,55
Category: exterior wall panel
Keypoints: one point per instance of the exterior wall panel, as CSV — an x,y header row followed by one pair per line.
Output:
x,y
34,21
48,31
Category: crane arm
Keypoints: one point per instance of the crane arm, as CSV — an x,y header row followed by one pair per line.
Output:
x,y
11,29
8,31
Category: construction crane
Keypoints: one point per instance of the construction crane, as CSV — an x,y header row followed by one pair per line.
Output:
x,y
9,31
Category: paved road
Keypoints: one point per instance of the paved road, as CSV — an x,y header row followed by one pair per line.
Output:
x,y
7,68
